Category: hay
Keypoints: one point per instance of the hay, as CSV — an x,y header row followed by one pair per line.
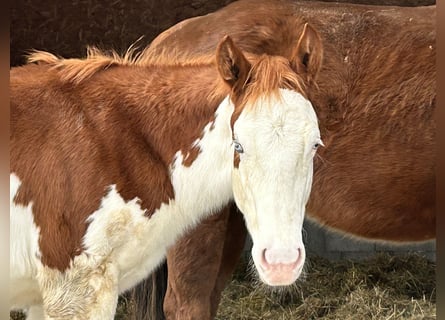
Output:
x,y
384,287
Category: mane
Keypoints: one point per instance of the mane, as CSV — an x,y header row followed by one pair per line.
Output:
x,y
76,70
268,75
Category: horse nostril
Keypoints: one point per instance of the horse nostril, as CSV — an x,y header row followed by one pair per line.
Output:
x,y
280,266
274,256
263,258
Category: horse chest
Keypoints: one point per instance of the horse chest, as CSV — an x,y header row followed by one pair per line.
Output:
x,y
121,233
139,243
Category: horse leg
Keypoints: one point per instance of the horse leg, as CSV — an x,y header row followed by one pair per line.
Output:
x,y
235,239
193,266
85,291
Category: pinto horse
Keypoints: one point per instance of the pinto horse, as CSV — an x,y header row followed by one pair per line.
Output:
x,y
375,98
112,159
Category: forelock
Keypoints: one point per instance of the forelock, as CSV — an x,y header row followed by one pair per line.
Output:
x,y
267,76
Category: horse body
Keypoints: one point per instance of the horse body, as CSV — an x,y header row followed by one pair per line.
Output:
x,y
109,167
374,98
90,198
375,92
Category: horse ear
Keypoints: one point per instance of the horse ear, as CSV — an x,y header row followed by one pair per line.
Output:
x,y
308,54
232,64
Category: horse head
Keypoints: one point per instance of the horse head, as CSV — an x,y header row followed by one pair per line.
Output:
x,y
275,137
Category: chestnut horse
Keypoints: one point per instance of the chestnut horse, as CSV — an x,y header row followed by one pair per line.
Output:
x,y
375,102
112,159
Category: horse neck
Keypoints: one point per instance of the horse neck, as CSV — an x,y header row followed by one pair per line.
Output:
x,y
170,125
195,134
167,107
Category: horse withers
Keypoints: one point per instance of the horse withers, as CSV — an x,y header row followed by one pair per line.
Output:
x,y
112,159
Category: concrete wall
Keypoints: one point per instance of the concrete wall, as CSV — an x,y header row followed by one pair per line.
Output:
x,y
332,245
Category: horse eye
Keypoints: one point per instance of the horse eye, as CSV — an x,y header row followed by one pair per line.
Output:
x,y
318,144
238,147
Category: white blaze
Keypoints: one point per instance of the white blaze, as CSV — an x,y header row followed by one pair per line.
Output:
x,y
273,181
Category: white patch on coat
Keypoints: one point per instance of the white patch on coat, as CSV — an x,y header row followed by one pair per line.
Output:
x,y
140,244
35,313
272,184
122,246
24,260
